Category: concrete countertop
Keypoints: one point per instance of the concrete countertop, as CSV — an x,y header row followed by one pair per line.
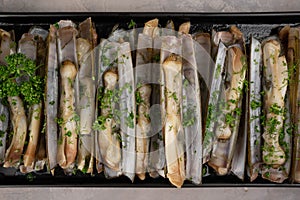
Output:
x,y
147,6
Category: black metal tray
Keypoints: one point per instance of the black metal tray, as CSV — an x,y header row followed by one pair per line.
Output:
x,y
259,25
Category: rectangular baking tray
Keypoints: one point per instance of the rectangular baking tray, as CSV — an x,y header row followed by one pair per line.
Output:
x,y
259,25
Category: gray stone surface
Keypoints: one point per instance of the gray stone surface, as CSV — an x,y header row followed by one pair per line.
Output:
x,y
149,193
146,5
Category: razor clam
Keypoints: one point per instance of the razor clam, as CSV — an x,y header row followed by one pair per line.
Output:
x,y
67,57
6,48
126,82
275,87
143,76
157,160
205,68
67,147
107,138
35,111
277,133
171,48
41,36
227,126
240,153
293,57
254,109
51,99
19,122
191,105
173,130
28,47
217,37
213,103
35,114
278,175
127,104
86,106
169,30
234,36
41,153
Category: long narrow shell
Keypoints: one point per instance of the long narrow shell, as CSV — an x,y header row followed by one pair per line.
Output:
x,y
51,100
223,150
293,57
192,119
67,57
275,86
127,102
254,141
173,130
86,92
5,49
213,103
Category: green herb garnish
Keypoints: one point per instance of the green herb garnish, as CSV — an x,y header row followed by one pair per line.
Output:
x,y
30,88
129,120
2,117
189,116
131,24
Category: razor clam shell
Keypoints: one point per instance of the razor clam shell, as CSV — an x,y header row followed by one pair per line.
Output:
x,y
223,150
254,123
240,153
127,102
204,60
224,37
86,91
120,36
66,51
173,130
41,36
274,93
19,122
167,46
109,51
156,161
66,43
293,56
66,23
37,31
27,46
169,29
6,46
51,100
86,105
205,66
170,46
5,49
278,175
143,70
215,91
191,97
86,30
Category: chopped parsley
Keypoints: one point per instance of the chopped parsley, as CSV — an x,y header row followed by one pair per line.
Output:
x,y
189,116
2,117
131,24
130,120
18,65
255,104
